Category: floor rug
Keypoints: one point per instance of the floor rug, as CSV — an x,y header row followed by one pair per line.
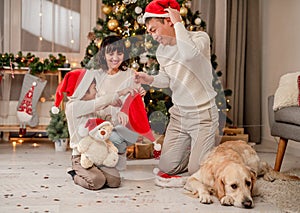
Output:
x,y
283,194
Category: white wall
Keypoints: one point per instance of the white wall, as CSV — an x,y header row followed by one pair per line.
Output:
x,y
280,50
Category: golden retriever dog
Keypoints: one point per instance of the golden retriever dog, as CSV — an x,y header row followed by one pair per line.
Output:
x,y
229,172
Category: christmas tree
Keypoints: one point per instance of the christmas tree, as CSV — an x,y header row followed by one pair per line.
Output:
x,y
124,18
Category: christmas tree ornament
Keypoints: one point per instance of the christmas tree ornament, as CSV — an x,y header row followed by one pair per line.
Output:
x,y
148,44
122,8
144,58
135,65
140,19
127,43
183,11
157,150
112,24
138,10
136,25
106,9
197,21
188,4
126,2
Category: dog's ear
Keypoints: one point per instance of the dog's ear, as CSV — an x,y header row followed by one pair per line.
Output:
x,y
253,174
219,187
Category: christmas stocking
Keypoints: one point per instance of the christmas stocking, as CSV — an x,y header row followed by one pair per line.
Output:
x,y
32,89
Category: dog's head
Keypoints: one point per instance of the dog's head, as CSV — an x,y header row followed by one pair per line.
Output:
x,y
235,181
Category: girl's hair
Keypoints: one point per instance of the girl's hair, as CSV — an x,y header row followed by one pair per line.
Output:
x,y
111,44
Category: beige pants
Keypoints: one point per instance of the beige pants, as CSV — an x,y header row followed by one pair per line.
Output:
x,y
95,178
189,136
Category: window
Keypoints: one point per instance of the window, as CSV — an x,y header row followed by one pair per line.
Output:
x,y
45,27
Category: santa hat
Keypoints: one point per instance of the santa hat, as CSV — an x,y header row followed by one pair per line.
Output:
x,y
91,125
24,111
170,181
156,8
138,121
69,84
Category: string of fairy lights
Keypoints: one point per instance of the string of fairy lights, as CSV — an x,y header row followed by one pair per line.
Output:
x,y
71,25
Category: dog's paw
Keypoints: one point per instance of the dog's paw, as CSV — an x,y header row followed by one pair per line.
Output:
x,y
205,198
269,177
227,201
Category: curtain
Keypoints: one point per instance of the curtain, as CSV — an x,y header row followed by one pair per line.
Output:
x,y
243,65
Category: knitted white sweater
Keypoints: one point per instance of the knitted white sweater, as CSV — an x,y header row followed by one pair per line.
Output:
x,y
186,69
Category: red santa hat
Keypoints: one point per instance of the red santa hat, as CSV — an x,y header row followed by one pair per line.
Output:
x,y
68,86
91,125
156,8
138,121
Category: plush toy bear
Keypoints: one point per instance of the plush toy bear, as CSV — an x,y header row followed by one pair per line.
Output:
x,y
95,147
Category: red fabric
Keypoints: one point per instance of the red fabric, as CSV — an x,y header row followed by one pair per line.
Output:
x,y
26,104
93,122
68,85
165,175
299,90
159,6
138,121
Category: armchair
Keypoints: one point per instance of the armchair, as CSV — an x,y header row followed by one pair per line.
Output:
x,y
285,124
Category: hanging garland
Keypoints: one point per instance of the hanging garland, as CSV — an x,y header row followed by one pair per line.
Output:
x,y
33,63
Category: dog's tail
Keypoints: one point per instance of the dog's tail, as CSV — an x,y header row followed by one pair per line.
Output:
x,y
270,175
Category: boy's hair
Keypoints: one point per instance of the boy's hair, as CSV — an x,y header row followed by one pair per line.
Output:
x,y
160,19
111,44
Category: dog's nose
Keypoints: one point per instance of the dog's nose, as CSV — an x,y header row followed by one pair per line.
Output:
x,y
247,203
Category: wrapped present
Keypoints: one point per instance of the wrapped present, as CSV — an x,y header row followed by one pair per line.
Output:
x,y
130,152
243,137
143,150
233,131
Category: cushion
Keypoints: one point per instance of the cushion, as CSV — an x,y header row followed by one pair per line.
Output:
x,y
287,92
299,90
289,115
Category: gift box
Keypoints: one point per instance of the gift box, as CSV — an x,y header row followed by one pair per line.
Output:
x,y
243,137
143,150
232,131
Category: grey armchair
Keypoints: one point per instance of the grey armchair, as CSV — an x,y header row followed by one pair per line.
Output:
x,y
285,124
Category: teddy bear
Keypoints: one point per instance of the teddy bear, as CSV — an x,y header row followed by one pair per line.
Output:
x,y
95,146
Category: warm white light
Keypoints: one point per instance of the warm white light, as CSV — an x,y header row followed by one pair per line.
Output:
x,y
71,17
14,143
151,101
41,14
41,38
72,41
20,141
35,145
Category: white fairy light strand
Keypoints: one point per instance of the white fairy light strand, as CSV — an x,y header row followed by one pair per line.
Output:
x,y
41,20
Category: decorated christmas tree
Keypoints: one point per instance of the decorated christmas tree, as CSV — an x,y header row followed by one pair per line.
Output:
x,y
124,18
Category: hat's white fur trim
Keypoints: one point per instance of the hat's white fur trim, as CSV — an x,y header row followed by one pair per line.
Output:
x,y
154,15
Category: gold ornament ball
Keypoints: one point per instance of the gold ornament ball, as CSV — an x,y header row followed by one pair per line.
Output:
x,y
148,44
183,11
112,24
106,9
127,43
135,65
122,8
